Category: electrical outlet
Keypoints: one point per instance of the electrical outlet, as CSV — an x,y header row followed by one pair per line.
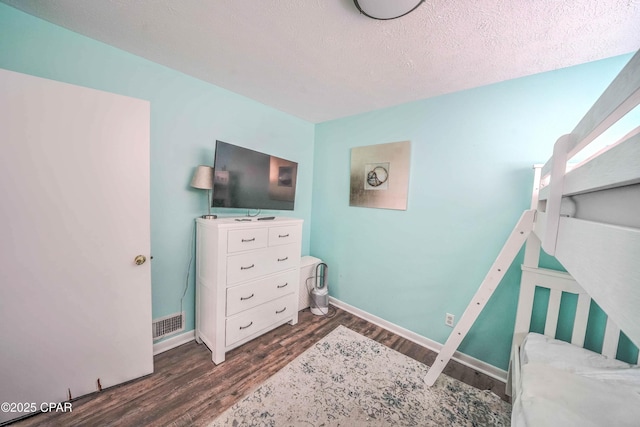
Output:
x,y
449,319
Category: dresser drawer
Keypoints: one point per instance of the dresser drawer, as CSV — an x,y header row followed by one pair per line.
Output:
x,y
284,235
284,257
252,294
247,266
242,240
253,321
250,265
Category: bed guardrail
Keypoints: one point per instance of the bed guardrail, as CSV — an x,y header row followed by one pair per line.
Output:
x,y
617,167
620,97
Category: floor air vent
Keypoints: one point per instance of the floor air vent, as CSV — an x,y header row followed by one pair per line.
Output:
x,y
168,325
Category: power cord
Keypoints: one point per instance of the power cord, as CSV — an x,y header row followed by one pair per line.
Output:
x,y
186,282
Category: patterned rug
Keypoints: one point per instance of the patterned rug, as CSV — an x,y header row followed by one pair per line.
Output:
x,y
346,379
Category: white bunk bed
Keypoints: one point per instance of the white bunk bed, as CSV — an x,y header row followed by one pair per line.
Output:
x,y
588,217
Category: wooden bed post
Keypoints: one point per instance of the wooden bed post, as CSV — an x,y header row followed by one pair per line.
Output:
x,y
556,189
496,273
527,287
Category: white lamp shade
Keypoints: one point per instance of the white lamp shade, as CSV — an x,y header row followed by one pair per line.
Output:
x,y
203,178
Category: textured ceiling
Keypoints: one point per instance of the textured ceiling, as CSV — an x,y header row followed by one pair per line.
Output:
x,y
321,59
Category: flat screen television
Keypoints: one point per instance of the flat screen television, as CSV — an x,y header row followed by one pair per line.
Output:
x,y
248,179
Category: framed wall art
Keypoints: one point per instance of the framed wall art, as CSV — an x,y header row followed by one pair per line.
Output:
x,y
380,175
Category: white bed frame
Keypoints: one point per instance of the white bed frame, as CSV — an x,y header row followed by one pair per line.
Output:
x,y
558,284
588,217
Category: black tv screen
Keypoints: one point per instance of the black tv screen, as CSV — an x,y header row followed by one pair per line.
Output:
x,y
248,179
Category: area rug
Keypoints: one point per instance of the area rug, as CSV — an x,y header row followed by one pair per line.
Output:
x,y
346,379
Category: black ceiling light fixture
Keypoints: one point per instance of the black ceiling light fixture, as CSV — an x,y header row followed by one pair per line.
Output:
x,y
386,9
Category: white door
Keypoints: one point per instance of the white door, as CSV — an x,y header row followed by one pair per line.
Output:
x,y
75,309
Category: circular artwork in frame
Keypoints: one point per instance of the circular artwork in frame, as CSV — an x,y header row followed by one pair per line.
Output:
x,y
377,176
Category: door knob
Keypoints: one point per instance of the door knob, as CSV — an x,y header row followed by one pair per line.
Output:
x,y
140,259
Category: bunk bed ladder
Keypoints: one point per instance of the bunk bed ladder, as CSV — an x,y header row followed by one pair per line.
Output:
x,y
497,271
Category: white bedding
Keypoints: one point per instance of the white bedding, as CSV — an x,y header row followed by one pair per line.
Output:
x,y
565,385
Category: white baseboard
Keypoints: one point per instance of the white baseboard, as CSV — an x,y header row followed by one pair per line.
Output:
x,y
466,360
174,342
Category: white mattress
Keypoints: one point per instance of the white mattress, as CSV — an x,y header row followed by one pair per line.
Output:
x,y
565,385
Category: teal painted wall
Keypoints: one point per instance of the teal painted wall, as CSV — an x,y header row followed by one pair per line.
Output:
x,y
471,177
187,116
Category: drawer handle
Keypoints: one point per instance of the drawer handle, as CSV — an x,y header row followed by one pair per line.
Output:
x,y
246,268
248,240
283,235
281,311
283,259
245,327
282,286
246,298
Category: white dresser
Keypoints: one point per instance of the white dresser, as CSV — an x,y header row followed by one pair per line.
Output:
x,y
247,275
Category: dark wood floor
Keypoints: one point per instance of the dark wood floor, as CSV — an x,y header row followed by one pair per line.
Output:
x,y
187,389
